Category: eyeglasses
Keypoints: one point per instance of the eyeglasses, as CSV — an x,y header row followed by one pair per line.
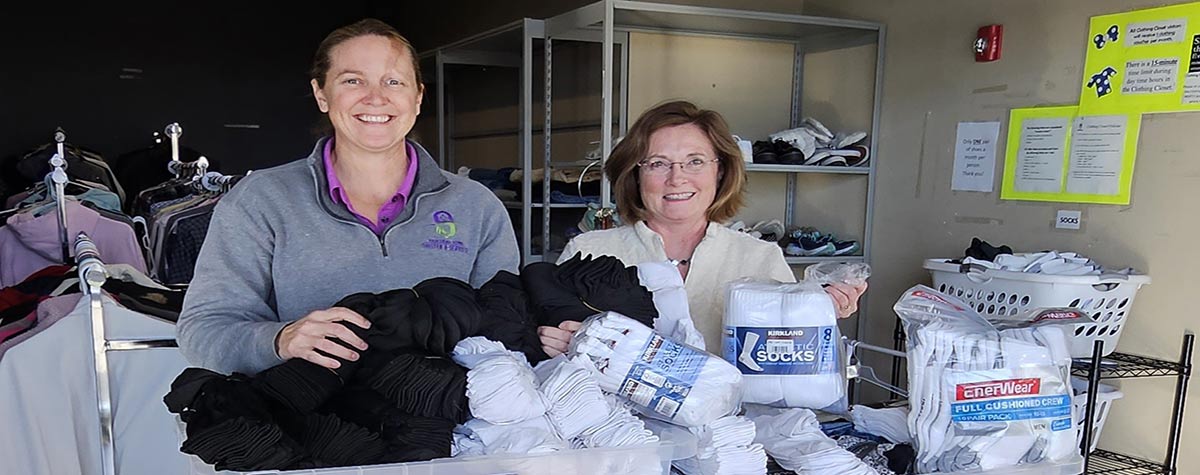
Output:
x,y
661,166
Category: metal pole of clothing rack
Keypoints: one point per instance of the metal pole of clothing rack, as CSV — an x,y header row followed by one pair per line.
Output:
x,y
58,175
92,275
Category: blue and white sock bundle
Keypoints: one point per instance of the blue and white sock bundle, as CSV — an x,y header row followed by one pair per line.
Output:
x,y
662,377
784,339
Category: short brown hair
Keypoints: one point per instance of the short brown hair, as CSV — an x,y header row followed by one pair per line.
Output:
x,y
621,166
364,27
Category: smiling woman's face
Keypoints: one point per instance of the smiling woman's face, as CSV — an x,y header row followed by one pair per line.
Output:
x,y
371,94
679,196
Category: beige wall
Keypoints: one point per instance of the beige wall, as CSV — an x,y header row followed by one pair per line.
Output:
x,y
931,83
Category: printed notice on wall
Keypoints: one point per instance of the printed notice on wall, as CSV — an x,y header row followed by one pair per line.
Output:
x,y
1150,76
1143,61
1054,154
1156,32
1040,154
1191,83
1097,149
975,156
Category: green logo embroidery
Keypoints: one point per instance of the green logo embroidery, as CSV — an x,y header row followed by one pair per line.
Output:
x,y
446,230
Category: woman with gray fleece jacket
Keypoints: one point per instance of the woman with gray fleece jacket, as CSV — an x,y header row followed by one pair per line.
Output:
x,y
367,211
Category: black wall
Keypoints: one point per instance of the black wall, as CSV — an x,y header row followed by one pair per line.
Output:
x,y
112,75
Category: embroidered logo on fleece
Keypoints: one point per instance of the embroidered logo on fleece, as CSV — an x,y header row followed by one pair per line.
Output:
x,y
446,229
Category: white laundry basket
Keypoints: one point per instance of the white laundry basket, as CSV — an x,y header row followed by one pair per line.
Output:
x,y
998,293
1105,395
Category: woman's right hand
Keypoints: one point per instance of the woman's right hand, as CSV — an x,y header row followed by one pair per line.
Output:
x,y
556,339
302,338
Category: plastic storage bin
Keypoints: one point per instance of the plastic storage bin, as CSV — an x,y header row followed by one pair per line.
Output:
x,y
997,294
1073,467
1105,396
645,459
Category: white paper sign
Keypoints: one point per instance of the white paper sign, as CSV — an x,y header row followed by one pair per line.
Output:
x,y
1040,157
1150,76
1156,32
975,156
1097,148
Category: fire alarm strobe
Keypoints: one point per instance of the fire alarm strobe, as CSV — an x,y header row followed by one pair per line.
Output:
x,y
987,43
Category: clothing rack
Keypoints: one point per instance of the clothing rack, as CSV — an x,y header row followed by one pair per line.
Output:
x,y
58,176
92,275
216,182
197,168
178,168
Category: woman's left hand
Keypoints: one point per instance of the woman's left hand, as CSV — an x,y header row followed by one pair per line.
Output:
x,y
845,297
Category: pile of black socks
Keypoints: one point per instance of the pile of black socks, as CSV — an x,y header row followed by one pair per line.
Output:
x,y
584,286
402,398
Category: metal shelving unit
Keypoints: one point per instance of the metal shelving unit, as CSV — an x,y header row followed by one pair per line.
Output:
x,y
511,47
1124,366
808,34
1103,461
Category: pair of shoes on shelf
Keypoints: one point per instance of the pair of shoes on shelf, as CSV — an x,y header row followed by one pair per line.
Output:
x,y
809,241
818,146
770,230
777,152
851,156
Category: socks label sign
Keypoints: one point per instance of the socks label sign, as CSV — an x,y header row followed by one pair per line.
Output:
x,y
782,350
995,396
663,375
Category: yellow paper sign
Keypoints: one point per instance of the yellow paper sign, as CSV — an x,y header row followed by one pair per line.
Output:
x,y
1143,61
1055,154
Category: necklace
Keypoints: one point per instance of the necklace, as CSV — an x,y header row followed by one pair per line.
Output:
x,y
679,262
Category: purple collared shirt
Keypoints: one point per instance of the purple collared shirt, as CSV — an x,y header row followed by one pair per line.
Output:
x,y
392,208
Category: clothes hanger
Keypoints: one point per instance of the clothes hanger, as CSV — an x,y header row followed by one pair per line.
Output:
x,y
855,369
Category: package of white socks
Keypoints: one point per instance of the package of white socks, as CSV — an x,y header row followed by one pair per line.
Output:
x,y
670,299
987,395
662,377
784,340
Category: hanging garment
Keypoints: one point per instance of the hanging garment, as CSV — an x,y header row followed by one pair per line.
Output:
x,y
784,339
29,243
141,169
987,395
662,377
82,164
49,393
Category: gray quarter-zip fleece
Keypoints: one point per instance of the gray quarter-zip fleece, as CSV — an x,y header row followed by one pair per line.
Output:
x,y
279,248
